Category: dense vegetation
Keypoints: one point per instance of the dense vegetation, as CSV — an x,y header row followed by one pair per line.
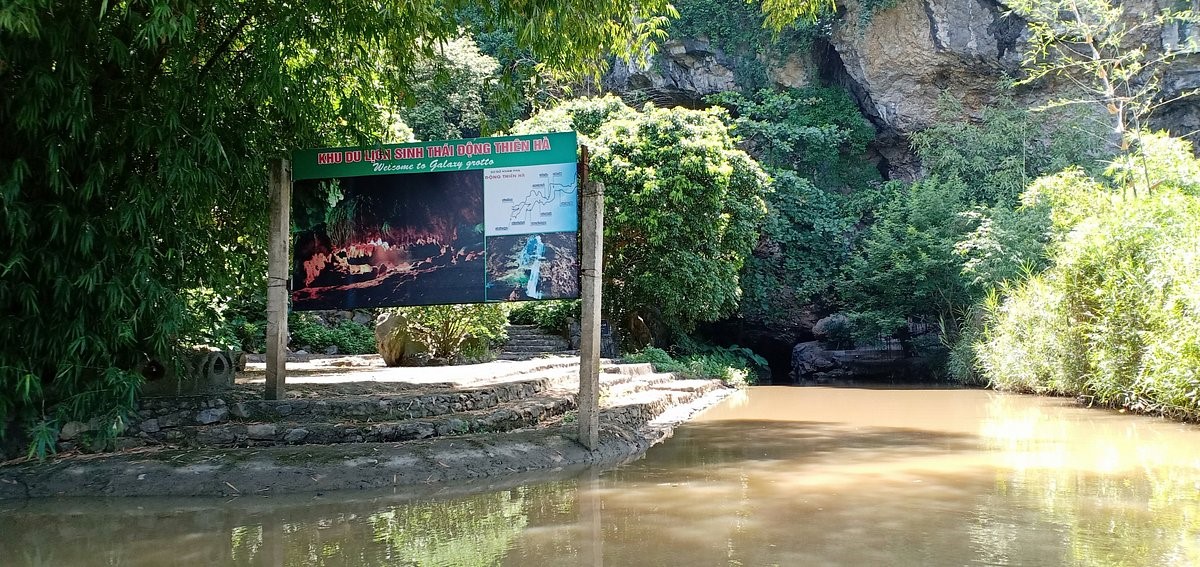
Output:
x,y
812,142
137,137
1114,316
931,252
135,150
682,206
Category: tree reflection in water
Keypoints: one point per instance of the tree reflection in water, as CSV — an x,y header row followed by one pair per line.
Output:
x,y
788,476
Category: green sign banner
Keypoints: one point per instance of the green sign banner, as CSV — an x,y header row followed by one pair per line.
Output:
x,y
434,157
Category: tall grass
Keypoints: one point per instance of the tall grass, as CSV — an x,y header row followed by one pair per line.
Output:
x,y
1117,314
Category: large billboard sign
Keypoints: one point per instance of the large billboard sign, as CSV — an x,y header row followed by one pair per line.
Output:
x,y
454,221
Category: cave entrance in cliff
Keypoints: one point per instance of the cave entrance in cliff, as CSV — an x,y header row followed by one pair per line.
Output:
x,y
773,345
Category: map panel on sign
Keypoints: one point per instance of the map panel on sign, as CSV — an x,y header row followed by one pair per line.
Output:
x,y
530,199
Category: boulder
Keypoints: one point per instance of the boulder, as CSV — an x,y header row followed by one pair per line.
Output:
x,y
72,429
810,358
295,435
393,341
261,431
834,330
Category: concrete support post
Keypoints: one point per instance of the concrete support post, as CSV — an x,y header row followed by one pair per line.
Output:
x,y
280,187
592,227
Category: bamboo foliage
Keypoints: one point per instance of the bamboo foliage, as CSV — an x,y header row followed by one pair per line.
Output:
x,y
133,158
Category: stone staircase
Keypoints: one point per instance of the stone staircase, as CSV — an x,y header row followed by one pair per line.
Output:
x,y
530,341
631,395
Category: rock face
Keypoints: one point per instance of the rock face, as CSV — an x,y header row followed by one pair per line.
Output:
x,y
897,65
905,57
813,362
682,74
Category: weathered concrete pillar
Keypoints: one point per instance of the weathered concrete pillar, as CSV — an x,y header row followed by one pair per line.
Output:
x,y
592,227
280,187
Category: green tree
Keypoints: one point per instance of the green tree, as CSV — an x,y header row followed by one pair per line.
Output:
x,y
1105,54
937,248
456,94
1000,151
134,156
813,142
682,207
817,132
905,265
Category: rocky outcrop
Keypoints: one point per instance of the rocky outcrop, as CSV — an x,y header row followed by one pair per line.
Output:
x,y
393,342
682,74
813,362
905,57
897,64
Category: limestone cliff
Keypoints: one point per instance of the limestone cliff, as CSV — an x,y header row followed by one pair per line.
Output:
x,y
896,63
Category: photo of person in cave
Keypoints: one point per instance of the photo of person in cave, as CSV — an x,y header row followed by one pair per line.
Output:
x,y
532,266
386,240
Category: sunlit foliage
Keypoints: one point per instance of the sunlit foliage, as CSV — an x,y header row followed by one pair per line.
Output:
x,y
133,161
682,206
1114,316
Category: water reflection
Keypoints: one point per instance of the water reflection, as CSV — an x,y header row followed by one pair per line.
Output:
x,y
782,476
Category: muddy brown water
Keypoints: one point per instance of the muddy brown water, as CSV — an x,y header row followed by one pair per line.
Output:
x,y
775,476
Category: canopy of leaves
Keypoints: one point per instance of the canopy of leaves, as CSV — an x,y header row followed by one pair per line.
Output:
x,y
817,132
906,265
682,206
137,134
456,94
939,245
813,141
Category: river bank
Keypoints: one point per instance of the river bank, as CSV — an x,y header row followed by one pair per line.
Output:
x,y
480,429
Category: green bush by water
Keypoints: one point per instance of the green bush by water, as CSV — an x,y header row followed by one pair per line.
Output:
x,y
1117,314
733,365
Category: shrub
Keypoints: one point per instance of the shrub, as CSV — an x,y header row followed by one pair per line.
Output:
x,y
733,365
349,337
549,315
1114,317
682,207
447,330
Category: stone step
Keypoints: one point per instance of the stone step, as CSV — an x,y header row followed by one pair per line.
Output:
x,y
547,341
534,348
630,369
531,330
620,389
349,408
639,408
516,356
509,416
534,338
527,330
